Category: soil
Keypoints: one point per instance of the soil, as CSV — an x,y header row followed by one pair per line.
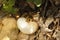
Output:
x,y
47,16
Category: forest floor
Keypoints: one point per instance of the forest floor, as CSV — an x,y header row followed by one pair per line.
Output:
x,y
47,16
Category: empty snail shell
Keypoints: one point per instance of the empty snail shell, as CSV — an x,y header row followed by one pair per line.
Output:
x,y
27,27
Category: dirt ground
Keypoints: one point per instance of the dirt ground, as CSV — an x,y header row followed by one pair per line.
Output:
x,y
47,16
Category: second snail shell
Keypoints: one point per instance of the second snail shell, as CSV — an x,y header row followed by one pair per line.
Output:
x,y
27,27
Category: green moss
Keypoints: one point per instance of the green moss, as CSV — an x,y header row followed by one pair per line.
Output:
x,y
8,6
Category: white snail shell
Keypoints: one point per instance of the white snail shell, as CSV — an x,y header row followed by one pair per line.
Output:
x,y
27,27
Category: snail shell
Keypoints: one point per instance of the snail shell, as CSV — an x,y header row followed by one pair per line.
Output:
x,y
27,27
